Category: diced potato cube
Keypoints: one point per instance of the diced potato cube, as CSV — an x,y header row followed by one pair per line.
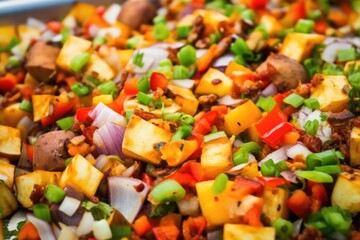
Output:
x,y
346,192
330,93
250,170
185,98
216,82
216,157
176,152
132,104
7,172
274,205
99,66
215,208
104,98
10,141
27,33
140,139
246,232
7,33
4,56
82,11
25,184
82,176
125,56
8,203
72,47
271,24
11,115
355,147
235,68
41,106
241,118
298,46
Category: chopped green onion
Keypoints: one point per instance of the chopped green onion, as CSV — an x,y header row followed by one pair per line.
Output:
x,y
65,33
132,42
251,146
328,157
128,114
323,117
240,156
268,168
345,55
67,161
332,69
14,61
315,176
79,61
213,136
99,40
183,31
54,193
182,132
266,103
161,32
180,72
26,105
42,212
311,127
312,103
329,169
187,55
217,4
138,59
108,87
248,14
65,123
239,59
356,5
219,184
168,190
121,232
159,20
13,42
80,89
315,14
324,4
312,66
144,98
284,228
92,81
214,37
304,26
179,117
240,47
294,100
165,63
143,85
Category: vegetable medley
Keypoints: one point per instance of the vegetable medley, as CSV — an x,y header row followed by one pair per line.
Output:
x,y
182,120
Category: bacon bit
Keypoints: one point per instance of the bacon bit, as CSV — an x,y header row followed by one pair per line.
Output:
x,y
206,99
88,132
193,228
144,115
83,149
198,28
317,79
37,193
140,187
216,81
94,199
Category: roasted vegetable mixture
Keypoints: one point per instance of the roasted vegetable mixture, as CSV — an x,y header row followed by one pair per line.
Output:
x,y
183,119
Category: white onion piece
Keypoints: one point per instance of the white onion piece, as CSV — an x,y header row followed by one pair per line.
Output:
x,y
246,204
102,114
43,228
184,83
297,149
200,52
189,206
241,166
67,233
47,35
35,23
112,13
127,195
165,45
86,224
57,38
110,141
269,91
69,205
101,162
102,230
17,217
289,176
302,115
69,21
228,100
330,51
237,143
151,54
130,170
277,156
93,30
26,124
111,31
147,62
329,40
224,60
20,50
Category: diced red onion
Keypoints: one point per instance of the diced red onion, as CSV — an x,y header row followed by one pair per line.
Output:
x,y
43,228
297,149
228,100
224,60
330,51
108,139
269,91
102,114
85,225
289,175
101,162
189,206
127,195
184,83
69,205
35,23
26,124
189,9
71,192
277,156
59,216
112,13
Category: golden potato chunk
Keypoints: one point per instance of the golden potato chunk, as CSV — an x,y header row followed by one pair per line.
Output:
x,y
10,141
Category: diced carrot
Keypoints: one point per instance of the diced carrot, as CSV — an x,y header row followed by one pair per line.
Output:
x,y
142,225
291,137
204,61
28,232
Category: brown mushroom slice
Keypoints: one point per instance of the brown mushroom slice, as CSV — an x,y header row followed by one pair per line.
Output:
x,y
50,150
285,72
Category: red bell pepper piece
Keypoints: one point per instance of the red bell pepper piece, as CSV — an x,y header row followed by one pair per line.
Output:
x,y
300,204
244,186
271,182
203,125
258,4
54,26
193,227
82,114
274,137
158,80
252,217
60,109
222,109
147,179
279,98
168,232
118,104
197,153
88,133
100,10
320,26
318,194
130,87
270,121
7,83
29,152
189,174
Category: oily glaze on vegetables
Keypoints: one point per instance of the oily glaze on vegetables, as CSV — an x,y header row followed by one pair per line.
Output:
x,y
182,120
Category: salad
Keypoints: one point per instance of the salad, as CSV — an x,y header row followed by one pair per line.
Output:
x,y
184,119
